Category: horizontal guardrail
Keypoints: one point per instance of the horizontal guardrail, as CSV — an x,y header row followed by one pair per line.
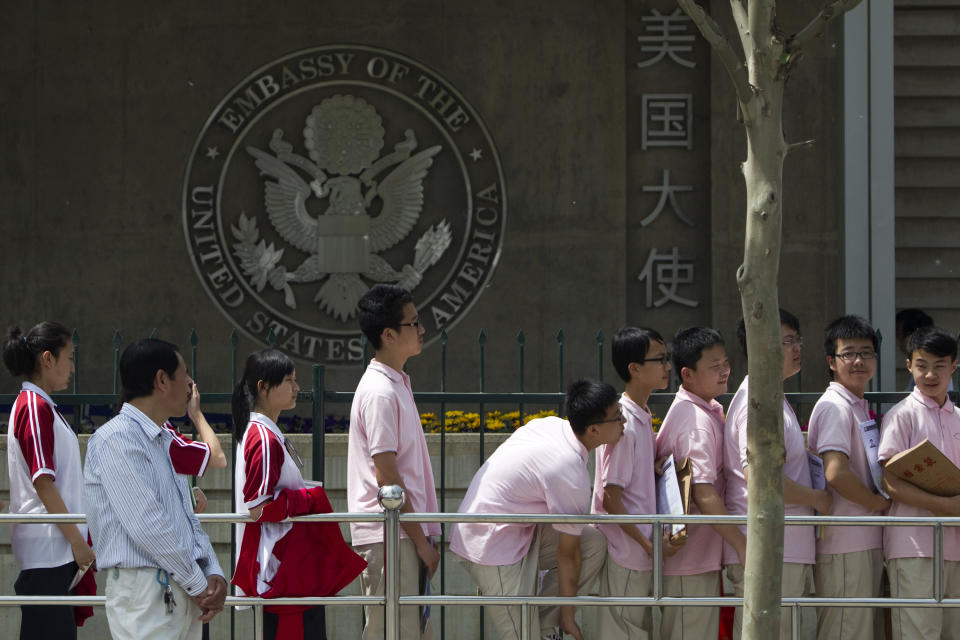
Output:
x,y
392,600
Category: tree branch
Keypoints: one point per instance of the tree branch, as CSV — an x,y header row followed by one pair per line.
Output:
x,y
800,145
731,61
741,19
760,15
818,25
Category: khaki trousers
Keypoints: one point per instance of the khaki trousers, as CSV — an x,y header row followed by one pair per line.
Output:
x,y
372,584
624,623
135,608
521,579
691,623
913,578
848,575
793,584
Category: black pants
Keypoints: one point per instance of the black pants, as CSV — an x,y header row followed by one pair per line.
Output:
x,y
314,624
41,622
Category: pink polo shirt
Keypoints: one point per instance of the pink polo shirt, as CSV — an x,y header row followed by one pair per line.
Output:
x,y
693,428
906,425
835,426
628,464
798,542
541,468
384,418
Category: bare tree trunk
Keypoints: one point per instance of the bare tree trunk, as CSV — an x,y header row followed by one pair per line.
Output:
x,y
757,280
759,76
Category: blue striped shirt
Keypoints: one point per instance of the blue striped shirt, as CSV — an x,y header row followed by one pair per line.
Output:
x,y
138,509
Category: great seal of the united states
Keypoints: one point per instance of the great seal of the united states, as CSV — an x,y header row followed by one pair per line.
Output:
x,y
329,170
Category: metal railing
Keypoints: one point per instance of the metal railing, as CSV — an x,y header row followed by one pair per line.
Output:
x,y
391,499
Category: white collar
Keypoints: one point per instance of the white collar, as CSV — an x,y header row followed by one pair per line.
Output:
x,y
29,386
267,422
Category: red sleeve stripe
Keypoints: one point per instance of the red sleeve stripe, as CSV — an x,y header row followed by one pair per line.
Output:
x,y
32,412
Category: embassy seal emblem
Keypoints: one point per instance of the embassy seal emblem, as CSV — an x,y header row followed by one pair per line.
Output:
x,y
330,170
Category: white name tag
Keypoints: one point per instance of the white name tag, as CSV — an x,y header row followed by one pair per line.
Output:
x,y
870,435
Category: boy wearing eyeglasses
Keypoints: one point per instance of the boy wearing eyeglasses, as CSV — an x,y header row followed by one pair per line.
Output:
x,y
387,447
849,560
927,413
693,428
800,498
626,484
541,468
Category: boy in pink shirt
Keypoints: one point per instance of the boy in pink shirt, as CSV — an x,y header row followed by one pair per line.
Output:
x,y
693,428
541,468
387,446
799,548
625,484
849,559
927,413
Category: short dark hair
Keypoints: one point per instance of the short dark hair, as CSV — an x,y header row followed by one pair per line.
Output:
x,y
381,308
909,320
786,318
631,344
935,340
688,346
139,364
20,351
587,402
848,328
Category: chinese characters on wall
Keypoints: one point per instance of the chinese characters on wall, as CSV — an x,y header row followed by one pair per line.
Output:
x,y
668,217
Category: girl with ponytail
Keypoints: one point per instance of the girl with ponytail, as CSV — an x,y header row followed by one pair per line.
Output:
x,y
43,459
308,558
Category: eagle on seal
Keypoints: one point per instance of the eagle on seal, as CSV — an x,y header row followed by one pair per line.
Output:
x,y
344,137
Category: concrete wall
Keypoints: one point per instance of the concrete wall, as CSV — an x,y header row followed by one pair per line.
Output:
x,y
105,100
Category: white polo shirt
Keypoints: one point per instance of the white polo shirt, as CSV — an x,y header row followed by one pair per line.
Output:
x,y
799,542
628,464
541,468
693,429
835,426
39,442
911,421
384,418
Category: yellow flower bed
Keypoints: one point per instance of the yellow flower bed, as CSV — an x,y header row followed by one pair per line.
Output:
x,y
469,422
497,421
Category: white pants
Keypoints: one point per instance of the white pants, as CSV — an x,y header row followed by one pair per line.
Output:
x,y
913,578
521,578
848,575
624,623
135,608
691,623
372,584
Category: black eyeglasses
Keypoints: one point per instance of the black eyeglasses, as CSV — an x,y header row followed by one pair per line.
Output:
x,y
663,360
416,324
619,418
851,356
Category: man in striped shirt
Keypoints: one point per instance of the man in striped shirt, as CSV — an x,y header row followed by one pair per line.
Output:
x,y
163,578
